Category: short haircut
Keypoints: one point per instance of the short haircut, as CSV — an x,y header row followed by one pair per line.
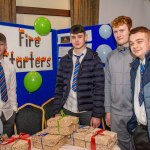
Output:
x,y
75,29
2,38
141,29
121,20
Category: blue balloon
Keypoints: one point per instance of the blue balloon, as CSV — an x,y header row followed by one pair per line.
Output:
x,y
105,31
103,50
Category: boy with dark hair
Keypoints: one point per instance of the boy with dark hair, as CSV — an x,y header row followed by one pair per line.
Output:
x,y
80,81
139,125
8,101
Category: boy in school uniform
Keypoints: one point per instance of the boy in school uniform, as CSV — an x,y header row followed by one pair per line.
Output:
x,y
8,100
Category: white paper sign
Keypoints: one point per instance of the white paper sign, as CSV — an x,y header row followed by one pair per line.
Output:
x,y
27,50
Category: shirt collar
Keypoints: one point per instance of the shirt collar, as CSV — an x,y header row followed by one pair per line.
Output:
x,y
121,48
142,62
84,52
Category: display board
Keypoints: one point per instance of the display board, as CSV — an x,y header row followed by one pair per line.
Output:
x,y
30,52
100,39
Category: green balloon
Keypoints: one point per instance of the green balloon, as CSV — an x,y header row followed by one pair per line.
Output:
x,y
42,26
32,81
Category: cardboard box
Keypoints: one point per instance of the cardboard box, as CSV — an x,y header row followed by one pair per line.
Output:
x,y
67,130
62,121
101,139
17,142
95,139
37,139
45,141
79,136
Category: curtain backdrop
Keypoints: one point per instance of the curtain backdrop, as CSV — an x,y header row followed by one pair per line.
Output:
x,y
138,10
84,12
8,11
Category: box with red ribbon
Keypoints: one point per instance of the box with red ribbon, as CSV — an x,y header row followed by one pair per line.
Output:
x,y
94,139
80,134
17,142
100,139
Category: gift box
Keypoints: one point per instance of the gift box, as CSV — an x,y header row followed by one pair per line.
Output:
x,y
44,140
37,139
20,145
79,136
67,130
53,142
100,139
99,147
18,142
70,139
95,139
63,125
3,137
60,121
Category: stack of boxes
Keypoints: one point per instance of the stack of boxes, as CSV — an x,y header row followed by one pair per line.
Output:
x,y
55,135
63,130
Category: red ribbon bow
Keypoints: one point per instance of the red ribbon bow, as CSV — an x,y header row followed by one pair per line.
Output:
x,y
93,143
22,136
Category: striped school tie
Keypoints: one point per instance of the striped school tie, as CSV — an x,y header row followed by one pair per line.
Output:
x,y
3,88
75,74
141,94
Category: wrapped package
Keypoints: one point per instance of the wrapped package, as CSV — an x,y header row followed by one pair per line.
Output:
x,y
17,142
63,125
37,139
67,130
79,136
62,121
94,139
3,137
20,145
100,139
53,142
70,139
45,141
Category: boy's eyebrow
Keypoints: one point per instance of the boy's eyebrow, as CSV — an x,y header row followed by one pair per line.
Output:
x,y
140,39
136,40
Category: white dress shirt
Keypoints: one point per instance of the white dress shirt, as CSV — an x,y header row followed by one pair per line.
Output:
x,y
71,103
11,104
139,110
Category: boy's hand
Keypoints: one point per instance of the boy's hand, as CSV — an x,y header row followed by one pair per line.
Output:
x,y
95,122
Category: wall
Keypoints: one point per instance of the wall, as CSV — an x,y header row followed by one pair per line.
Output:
x,y
138,10
57,22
